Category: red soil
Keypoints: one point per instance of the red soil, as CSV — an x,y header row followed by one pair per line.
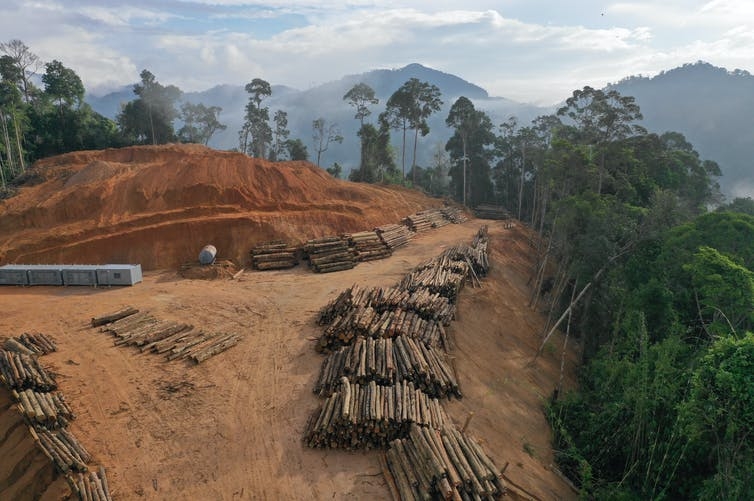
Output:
x,y
159,205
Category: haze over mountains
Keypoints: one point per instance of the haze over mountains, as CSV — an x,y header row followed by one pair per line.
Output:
x,y
711,106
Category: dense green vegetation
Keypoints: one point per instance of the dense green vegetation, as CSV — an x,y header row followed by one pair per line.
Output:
x,y
37,122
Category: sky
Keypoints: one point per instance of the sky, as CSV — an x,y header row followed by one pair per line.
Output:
x,y
532,51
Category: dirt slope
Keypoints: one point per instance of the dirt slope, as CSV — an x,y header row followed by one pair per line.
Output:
x,y
231,427
159,205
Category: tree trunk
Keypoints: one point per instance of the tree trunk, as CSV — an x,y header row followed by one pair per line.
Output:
x,y
8,150
465,159
413,162
18,143
403,153
521,183
151,123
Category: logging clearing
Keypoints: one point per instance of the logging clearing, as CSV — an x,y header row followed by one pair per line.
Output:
x,y
235,422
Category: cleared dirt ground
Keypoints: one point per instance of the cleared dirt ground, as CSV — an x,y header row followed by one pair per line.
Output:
x,y
231,428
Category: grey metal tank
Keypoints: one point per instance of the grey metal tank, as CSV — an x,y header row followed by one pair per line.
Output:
x,y
207,254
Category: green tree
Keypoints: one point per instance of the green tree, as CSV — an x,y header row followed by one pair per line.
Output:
x,y
378,162
469,152
12,125
62,85
719,417
408,108
296,149
744,205
360,96
149,118
724,291
256,133
601,118
200,123
280,135
335,170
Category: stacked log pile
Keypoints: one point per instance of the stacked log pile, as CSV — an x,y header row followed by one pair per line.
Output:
x,y
490,211
444,464
92,486
62,448
445,281
454,215
419,222
462,258
368,246
428,305
174,340
276,255
436,217
20,372
367,322
387,362
329,254
31,344
371,416
383,379
394,235
48,414
44,408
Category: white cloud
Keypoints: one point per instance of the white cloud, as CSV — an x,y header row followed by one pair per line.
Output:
x,y
531,50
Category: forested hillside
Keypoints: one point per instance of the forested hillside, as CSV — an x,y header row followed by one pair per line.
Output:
x,y
712,107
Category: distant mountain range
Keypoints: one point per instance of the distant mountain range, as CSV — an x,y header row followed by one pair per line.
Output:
x,y
712,107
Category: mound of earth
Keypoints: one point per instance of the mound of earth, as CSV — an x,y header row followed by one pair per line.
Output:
x,y
159,205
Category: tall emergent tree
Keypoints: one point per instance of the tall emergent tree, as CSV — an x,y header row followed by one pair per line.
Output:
x,y
256,132
149,119
360,96
601,119
63,85
408,108
323,134
469,152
